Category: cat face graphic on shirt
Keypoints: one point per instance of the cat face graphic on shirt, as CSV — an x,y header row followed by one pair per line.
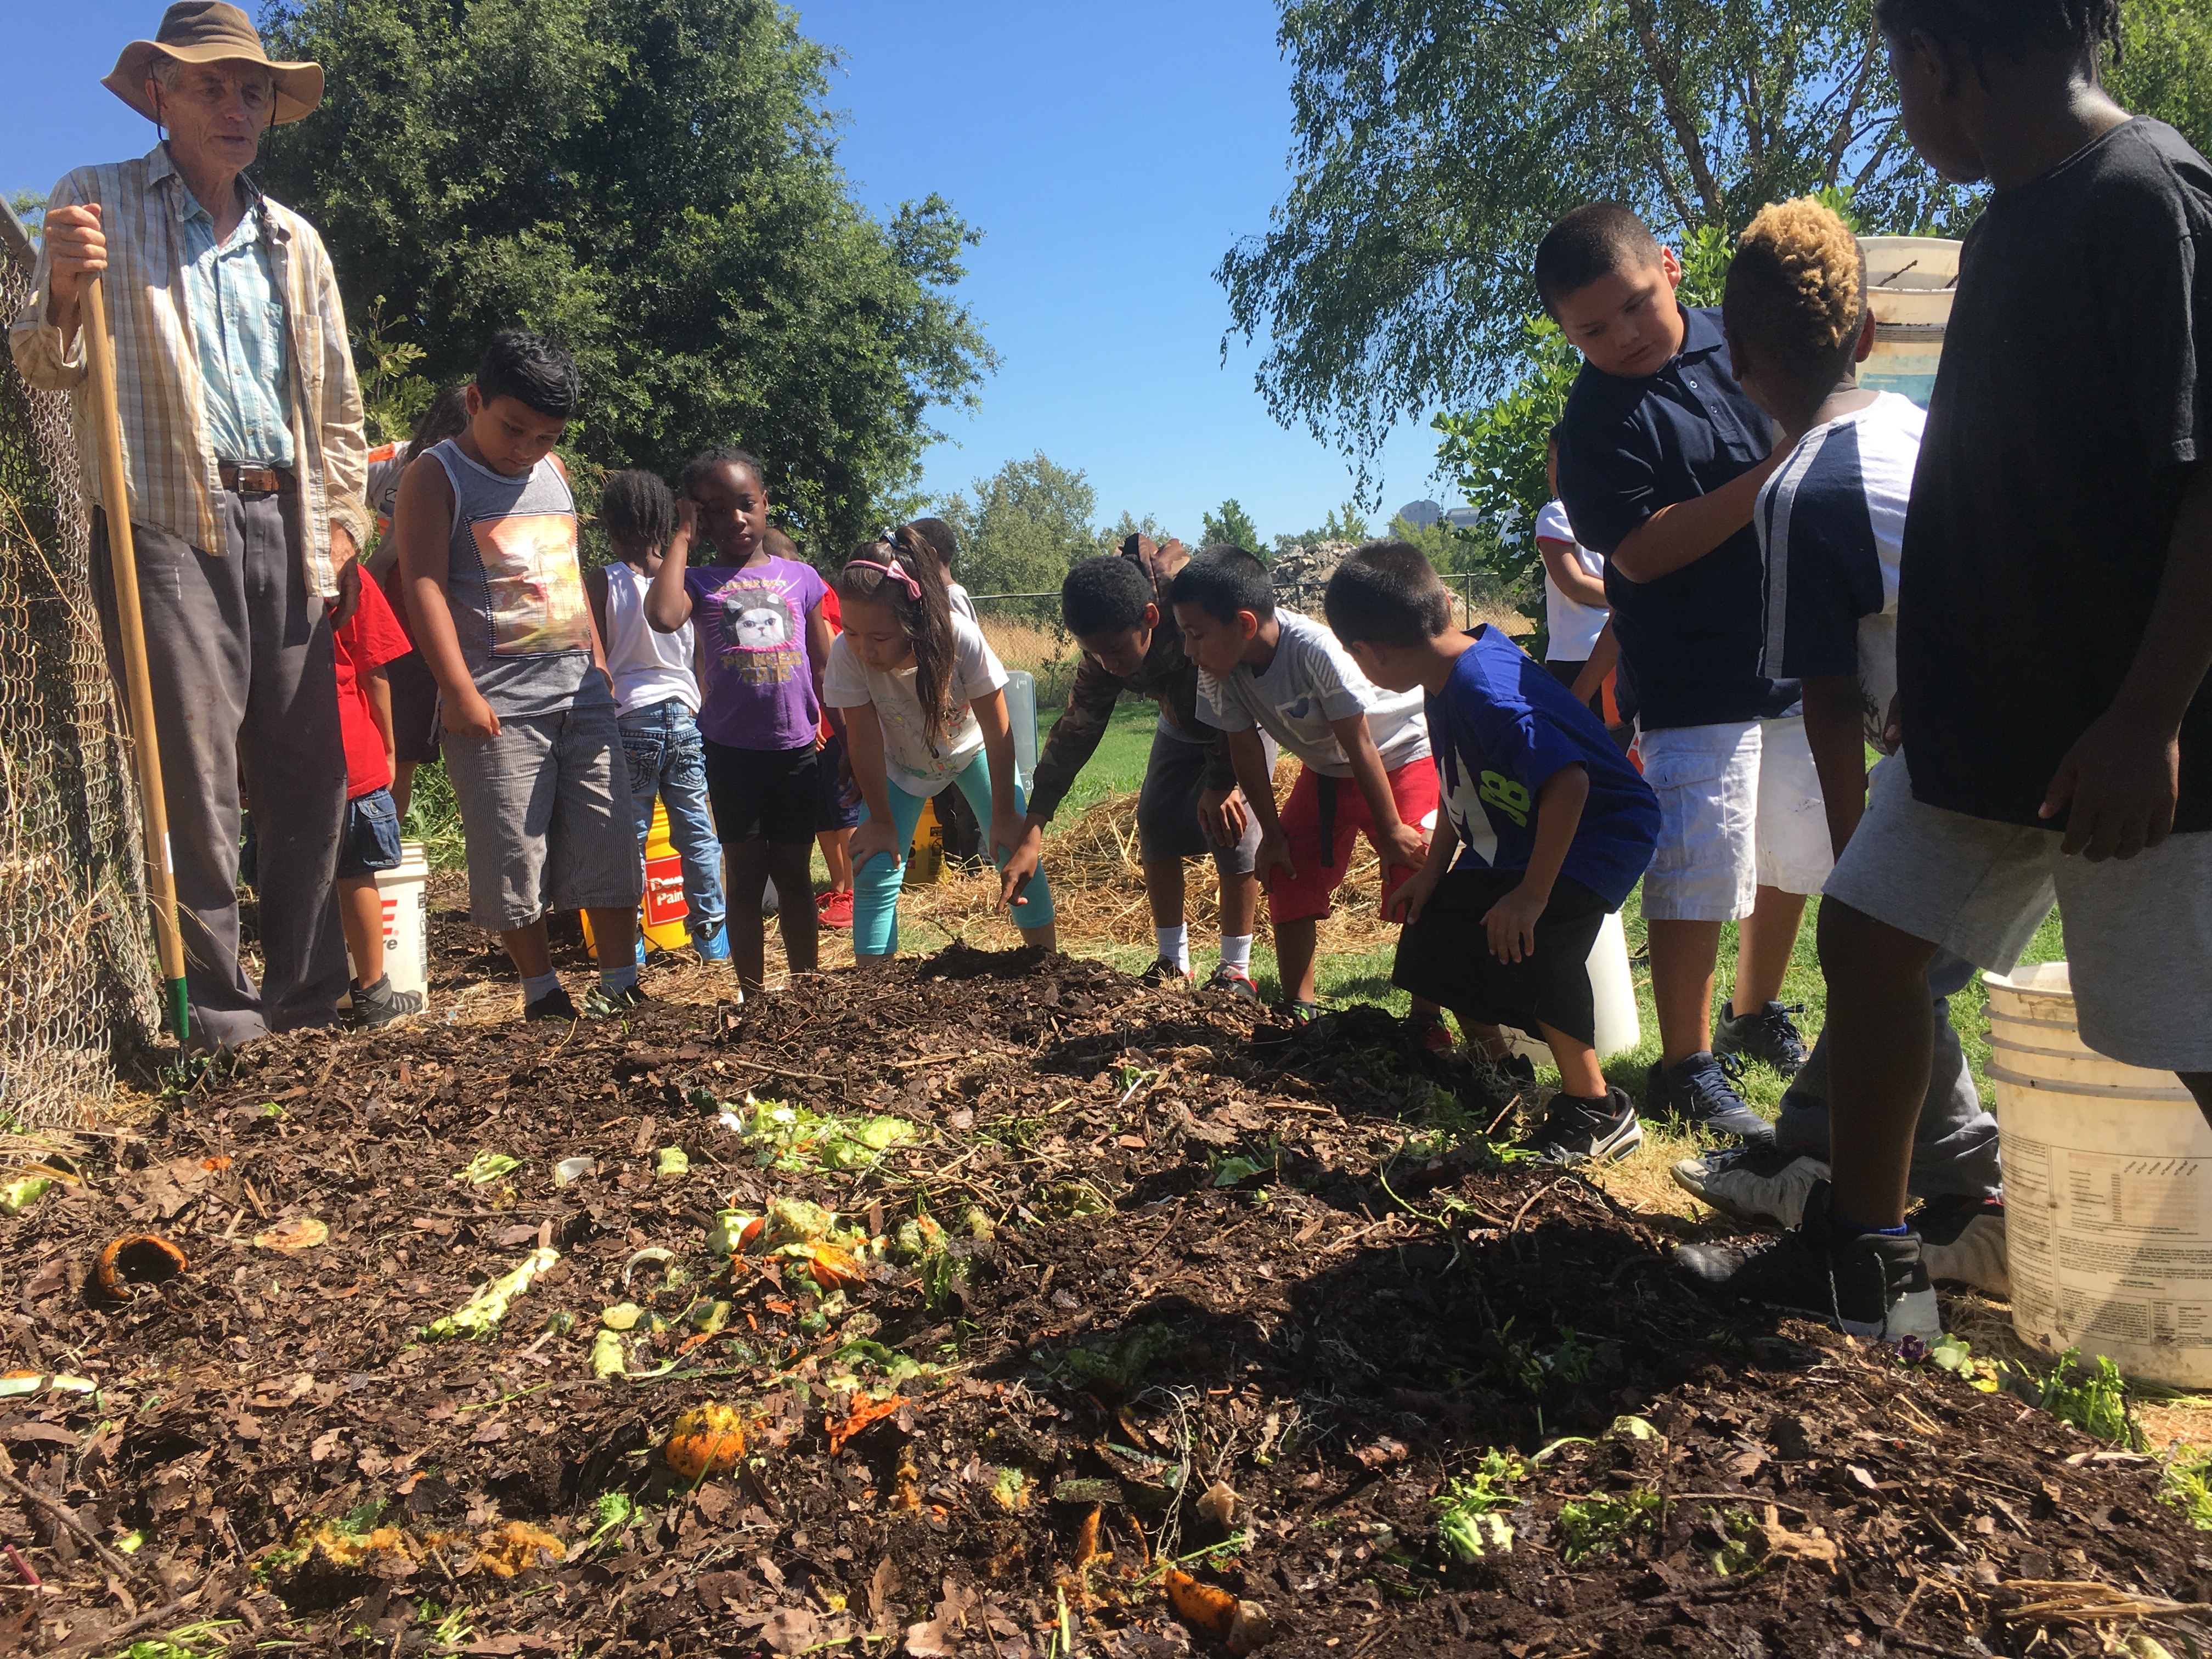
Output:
x,y
762,630
757,632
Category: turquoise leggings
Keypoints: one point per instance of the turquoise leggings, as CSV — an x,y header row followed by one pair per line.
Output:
x,y
876,883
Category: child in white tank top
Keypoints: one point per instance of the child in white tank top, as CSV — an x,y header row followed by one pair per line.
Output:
x,y
657,699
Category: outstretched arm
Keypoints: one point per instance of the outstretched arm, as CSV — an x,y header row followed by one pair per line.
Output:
x,y
1685,531
1398,841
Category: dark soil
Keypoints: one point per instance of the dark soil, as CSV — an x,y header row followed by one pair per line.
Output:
x,y
1221,1302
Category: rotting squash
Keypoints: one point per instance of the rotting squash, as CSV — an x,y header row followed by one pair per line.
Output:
x,y
708,1439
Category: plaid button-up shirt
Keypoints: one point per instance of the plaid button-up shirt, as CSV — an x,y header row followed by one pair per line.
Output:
x,y
174,480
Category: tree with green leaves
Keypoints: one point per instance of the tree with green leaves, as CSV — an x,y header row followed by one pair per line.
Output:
x,y
1128,525
1021,530
654,184
1435,141
1231,527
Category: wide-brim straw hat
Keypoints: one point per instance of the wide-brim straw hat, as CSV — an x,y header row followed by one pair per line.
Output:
x,y
209,32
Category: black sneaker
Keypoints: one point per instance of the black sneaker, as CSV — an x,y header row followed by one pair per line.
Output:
x,y
1579,1130
602,1003
554,1004
1697,1093
379,1004
1298,1013
1770,1036
1874,1285
1962,1240
1164,972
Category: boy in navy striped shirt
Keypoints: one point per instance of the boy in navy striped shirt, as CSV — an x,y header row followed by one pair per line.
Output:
x,y
1830,525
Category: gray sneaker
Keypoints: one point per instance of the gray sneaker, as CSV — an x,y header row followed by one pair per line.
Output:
x,y
1962,1240
379,1004
1758,1186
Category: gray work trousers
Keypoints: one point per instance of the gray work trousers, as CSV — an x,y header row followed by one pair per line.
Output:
x,y
1955,1145
239,656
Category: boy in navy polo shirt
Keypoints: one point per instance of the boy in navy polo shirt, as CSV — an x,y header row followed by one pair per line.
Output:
x,y
1546,829
1660,456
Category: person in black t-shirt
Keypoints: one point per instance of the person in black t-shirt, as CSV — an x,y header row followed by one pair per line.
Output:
x,y
2054,623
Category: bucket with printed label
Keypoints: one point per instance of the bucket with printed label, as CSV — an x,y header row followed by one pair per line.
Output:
x,y
2108,1190
663,914
403,895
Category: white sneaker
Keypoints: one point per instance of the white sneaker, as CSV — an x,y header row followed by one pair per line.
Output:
x,y
1759,1186
1972,1247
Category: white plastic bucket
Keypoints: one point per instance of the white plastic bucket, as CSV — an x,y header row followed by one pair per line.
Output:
x,y
1909,282
405,893
1613,989
2108,1191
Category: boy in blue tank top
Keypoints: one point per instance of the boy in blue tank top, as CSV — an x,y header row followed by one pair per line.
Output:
x,y
487,534
1546,829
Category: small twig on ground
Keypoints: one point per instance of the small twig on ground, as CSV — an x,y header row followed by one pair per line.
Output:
x,y
115,1563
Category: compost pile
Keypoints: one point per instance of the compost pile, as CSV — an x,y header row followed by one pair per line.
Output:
x,y
992,1305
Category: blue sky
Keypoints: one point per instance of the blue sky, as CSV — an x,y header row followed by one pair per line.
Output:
x,y
1109,154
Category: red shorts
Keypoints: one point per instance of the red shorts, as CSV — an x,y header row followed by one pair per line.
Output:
x,y
1323,860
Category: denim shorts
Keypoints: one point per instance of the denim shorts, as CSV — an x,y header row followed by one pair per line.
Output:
x,y
370,840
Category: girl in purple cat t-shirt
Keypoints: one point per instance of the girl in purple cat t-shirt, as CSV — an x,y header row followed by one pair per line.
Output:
x,y
764,642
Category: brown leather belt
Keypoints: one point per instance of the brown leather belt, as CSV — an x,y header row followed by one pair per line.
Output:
x,y
257,480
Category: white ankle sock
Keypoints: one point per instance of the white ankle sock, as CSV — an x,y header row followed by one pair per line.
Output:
x,y
1237,950
1175,944
535,986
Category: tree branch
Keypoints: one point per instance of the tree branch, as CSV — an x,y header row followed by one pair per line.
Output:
x,y
1870,63
1667,74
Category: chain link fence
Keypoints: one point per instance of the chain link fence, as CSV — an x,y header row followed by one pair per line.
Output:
x,y
76,986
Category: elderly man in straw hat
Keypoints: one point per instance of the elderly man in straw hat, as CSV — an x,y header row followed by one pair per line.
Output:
x,y
242,428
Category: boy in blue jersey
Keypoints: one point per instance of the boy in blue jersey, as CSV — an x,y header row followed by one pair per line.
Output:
x,y
1546,830
1831,528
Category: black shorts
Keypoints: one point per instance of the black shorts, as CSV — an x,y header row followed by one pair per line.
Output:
x,y
762,794
414,708
1445,957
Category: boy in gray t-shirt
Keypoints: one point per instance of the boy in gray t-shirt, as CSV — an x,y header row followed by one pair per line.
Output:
x,y
486,530
1262,669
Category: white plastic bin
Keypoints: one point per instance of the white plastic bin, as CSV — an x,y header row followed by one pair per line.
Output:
x,y
404,892
1909,282
2108,1190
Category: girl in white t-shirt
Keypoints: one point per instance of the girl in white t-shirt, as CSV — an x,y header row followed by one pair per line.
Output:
x,y
925,706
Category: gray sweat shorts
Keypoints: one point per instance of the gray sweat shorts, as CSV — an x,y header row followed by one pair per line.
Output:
x,y
1167,806
2138,931
545,806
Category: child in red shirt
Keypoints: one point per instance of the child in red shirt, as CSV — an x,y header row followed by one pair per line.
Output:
x,y
370,840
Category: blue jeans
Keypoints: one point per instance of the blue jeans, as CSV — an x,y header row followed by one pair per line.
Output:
x,y
666,762
876,883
